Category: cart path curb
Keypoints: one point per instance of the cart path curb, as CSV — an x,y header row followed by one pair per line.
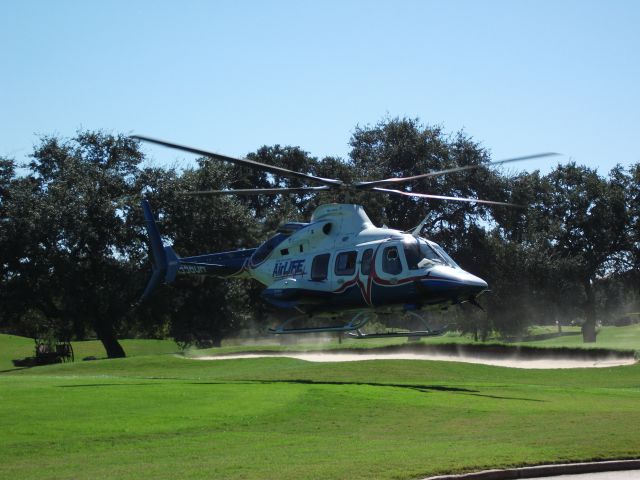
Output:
x,y
544,470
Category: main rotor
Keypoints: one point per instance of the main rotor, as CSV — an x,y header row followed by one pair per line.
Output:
x,y
332,184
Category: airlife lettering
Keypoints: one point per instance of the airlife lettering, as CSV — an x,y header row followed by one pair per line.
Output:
x,y
289,268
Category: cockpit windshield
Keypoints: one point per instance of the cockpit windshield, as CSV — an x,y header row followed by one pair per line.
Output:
x,y
421,253
444,254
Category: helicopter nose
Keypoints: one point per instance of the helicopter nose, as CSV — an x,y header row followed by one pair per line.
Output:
x,y
472,281
455,283
474,285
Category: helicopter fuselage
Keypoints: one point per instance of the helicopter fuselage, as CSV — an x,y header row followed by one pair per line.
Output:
x,y
340,261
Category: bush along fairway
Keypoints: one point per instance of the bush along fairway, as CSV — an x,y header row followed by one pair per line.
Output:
x,y
164,416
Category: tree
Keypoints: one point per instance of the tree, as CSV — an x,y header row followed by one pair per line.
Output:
x,y
205,310
633,203
10,247
74,252
72,218
587,226
404,147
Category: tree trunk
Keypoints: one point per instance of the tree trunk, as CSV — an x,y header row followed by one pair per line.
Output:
x,y
589,325
484,333
110,342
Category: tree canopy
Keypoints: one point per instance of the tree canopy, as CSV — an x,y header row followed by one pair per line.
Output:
x,y
74,257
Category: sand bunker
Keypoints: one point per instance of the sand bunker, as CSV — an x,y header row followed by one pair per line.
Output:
x,y
511,362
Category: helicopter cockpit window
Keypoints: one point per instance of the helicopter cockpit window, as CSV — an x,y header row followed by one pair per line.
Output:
x,y
346,263
448,260
417,250
391,261
427,251
267,247
412,252
320,267
430,251
365,266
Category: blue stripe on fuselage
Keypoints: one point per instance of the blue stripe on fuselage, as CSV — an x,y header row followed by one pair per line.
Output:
x,y
431,292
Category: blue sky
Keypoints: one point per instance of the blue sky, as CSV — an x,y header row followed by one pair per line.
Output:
x,y
519,76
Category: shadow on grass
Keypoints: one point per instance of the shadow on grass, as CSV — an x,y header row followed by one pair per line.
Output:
x,y
419,388
498,397
414,387
90,385
15,369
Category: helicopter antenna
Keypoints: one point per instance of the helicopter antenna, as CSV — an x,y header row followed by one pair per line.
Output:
x,y
416,231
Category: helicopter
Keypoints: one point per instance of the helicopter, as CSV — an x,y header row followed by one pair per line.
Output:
x,y
339,263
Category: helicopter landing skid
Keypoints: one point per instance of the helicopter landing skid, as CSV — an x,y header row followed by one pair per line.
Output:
x,y
358,321
412,334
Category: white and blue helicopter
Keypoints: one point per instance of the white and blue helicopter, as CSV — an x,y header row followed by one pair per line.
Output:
x,y
339,263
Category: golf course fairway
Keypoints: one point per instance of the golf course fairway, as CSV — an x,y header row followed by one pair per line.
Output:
x,y
163,416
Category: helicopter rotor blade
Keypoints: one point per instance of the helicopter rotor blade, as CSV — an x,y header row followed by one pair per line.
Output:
x,y
259,191
443,197
241,161
397,180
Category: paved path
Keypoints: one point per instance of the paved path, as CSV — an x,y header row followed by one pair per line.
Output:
x,y
616,471
623,475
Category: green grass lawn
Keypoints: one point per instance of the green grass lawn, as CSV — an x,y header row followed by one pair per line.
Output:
x,y
620,338
15,347
616,338
162,416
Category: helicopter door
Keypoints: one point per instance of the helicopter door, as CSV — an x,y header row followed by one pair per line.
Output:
x,y
320,267
365,264
390,263
364,272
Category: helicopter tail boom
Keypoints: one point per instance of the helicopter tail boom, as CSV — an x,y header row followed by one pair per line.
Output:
x,y
167,265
